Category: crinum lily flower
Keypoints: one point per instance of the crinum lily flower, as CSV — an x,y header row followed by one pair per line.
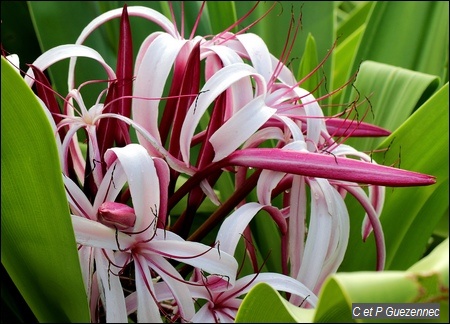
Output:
x,y
112,236
252,98
221,305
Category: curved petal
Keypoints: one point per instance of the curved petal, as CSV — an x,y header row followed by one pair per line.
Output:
x,y
341,232
297,218
204,315
110,288
198,255
111,185
143,183
176,284
159,59
258,53
147,309
138,11
278,281
233,226
61,52
172,161
267,181
218,83
319,233
95,234
78,200
315,126
240,127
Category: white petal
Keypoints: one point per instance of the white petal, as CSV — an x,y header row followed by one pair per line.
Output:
x,y
212,260
319,233
240,127
267,181
95,234
111,289
14,60
241,91
316,125
111,186
151,77
143,182
297,218
217,84
204,315
258,53
233,226
147,309
277,281
341,234
175,283
61,52
78,200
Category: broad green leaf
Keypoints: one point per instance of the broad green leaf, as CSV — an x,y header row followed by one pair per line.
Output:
x,y
424,282
412,35
343,58
222,14
355,20
424,144
38,243
393,93
349,33
308,63
410,215
317,19
263,304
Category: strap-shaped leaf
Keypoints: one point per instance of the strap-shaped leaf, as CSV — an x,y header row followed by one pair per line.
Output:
x,y
409,215
393,93
38,244
424,282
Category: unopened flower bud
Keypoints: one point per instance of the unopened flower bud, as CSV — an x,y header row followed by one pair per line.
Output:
x,y
116,215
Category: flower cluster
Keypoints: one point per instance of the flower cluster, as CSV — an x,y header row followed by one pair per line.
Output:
x,y
165,130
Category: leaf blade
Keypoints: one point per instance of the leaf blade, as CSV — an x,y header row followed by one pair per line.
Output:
x,y
38,244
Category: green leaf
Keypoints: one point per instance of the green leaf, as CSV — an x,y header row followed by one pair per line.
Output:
x,y
356,19
393,93
343,58
308,63
424,144
411,35
38,243
222,14
424,282
410,215
263,304
317,19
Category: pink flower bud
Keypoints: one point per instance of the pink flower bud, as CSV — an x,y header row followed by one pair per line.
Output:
x,y
116,215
